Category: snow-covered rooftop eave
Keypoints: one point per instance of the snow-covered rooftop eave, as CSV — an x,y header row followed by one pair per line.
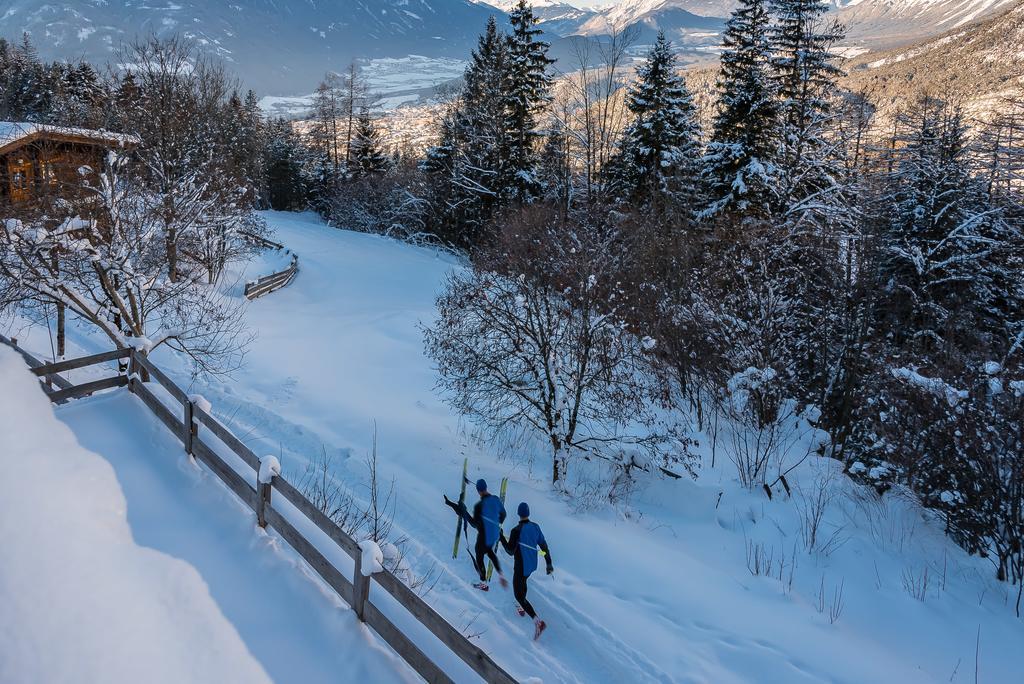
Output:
x,y
14,134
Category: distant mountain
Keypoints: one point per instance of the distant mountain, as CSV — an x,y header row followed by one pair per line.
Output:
x,y
976,64
283,47
559,18
874,24
688,30
277,46
884,23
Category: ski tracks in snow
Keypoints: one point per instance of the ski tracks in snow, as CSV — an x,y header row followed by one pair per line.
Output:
x,y
590,640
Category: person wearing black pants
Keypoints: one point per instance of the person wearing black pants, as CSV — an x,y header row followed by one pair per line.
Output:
x,y
523,544
488,515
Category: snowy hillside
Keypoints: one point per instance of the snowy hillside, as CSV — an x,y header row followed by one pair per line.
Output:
x,y
126,613
883,23
979,64
688,581
683,26
282,48
123,563
873,23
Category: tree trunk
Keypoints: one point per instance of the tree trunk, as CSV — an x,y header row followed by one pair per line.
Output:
x,y
60,331
60,310
172,256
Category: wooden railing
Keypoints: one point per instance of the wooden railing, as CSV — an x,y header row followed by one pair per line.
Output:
x,y
258,497
274,281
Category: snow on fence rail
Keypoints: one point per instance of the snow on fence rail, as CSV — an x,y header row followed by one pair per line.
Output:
x,y
258,497
274,281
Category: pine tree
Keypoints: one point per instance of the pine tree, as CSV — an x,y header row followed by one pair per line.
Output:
x,y
328,117
291,168
254,130
740,164
469,164
527,92
806,80
555,167
367,156
947,249
659,157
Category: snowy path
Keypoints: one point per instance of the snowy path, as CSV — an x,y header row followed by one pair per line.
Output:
x,y
663,595
667,600
297,632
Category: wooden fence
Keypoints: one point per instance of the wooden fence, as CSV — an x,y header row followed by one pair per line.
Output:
x,y
259,497
274,281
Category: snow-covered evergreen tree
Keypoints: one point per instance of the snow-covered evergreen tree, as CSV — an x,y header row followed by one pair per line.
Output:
x,y
806,79
658,162
368,157
467,166
528,86
741,162
946,248
555,164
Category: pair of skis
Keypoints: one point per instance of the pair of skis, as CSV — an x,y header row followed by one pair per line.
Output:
x,y
462,524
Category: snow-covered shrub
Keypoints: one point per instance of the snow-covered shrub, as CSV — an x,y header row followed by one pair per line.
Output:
x,y
961,451
764,434
812,502
385,203
117,269
318,484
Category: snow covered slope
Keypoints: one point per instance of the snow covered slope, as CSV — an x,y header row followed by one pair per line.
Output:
x,y
82,600
123,562
877,24
883,23
281,48
673,587
683,25
977,64
658,592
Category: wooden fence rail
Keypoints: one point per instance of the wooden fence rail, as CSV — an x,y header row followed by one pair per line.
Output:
x,y
274,281
355,592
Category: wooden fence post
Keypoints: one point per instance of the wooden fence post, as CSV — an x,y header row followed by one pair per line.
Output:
x,y
360,590
190,426
263,490
133,368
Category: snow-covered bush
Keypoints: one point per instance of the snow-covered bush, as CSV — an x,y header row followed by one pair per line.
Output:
x,y
384,203
961,451
369,519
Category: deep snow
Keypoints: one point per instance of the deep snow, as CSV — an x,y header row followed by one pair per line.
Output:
x,y
659,590
83,601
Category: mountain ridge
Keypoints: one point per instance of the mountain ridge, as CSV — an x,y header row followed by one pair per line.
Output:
x,y
273,46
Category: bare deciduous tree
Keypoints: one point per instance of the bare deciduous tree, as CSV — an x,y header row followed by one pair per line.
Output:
x,y
537,337
113,273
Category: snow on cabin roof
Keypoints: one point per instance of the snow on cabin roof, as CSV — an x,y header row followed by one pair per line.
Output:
x,y
18,132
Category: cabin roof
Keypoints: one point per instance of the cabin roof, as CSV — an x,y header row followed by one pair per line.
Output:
x,y
14,134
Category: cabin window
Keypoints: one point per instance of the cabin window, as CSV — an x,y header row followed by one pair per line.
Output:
x,y
20,173
49,173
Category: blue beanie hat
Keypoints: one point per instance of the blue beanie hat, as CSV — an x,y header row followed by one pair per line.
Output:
x,y
523,510
481,485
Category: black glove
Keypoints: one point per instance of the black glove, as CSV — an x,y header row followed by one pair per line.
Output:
x,y
447,501
551,568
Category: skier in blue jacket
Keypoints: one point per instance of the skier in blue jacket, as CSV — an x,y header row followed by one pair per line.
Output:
x,y
488,515
523,544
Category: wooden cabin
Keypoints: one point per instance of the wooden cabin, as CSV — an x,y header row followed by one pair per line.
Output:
x,y
40,163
